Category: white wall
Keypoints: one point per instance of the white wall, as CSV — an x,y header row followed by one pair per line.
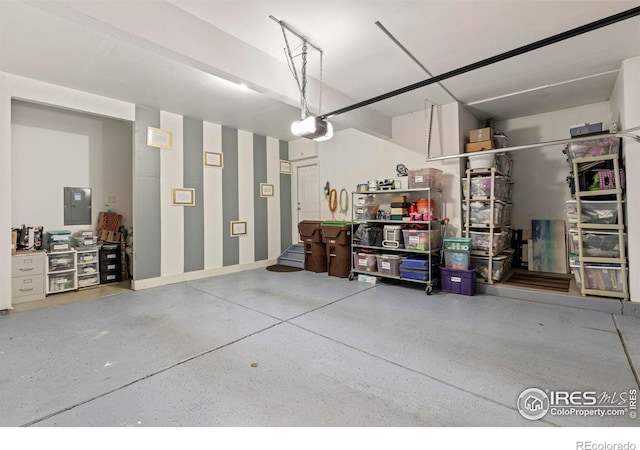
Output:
x,y
539,175
352,157
32,91
53,148
625,104
11,87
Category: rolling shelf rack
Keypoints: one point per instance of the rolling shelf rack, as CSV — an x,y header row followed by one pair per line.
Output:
x,y
430,282
619,263
503,251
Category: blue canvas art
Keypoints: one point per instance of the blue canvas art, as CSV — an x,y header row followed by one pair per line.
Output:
x,y
549,246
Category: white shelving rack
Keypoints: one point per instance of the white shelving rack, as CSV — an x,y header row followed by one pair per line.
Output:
x,y
493,201
614,272
429,194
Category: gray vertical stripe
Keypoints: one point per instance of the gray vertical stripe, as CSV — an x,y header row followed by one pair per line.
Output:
x,y
193,178
146,200
230,196
261,225
285,200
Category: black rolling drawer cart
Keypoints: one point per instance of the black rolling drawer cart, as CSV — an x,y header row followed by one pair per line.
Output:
x,y
110,264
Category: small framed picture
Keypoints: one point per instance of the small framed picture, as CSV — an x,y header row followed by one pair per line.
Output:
x,y
183,196
159,138
238,228
213,159
285,166
266,190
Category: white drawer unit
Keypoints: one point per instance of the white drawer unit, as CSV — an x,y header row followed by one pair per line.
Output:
x,y
88,267
27,277
61,272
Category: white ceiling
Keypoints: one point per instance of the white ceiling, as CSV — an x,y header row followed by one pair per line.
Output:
x,y
177,55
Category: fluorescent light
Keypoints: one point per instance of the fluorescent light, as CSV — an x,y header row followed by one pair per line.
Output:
x,y
313,128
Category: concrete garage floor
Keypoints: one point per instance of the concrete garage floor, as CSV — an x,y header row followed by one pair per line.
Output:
x,y
259,348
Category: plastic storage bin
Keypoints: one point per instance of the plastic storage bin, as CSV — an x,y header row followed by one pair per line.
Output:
x,y
88,280
421,239
419,275
425,178
388,265
480,241
365,262
61,282
366,212
456,259
458,281
597,243
478,160
604,277
481,187
59,236
63,261
501,265
457,243
593,211
419,262
595,147
481,212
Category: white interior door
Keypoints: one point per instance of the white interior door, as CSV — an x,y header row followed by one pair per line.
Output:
x,y
308,194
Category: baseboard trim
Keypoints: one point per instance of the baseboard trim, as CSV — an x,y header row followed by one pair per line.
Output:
x,y
137,285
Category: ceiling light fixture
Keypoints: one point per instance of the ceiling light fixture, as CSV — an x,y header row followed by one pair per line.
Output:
x,y
310,127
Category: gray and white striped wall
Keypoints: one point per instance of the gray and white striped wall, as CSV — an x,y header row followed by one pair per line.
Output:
x,y
174,243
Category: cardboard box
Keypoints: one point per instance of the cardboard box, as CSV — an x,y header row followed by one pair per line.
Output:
x,y
481,134
108,221
109,236
14,241
477,146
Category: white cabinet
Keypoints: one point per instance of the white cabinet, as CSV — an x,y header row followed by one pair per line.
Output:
x,y
88,267
61,272
27,277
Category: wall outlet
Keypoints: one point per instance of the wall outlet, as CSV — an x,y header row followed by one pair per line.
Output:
x,y
111,199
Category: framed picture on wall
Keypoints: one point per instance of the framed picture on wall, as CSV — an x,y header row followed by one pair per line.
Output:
x,y
266,190
159,138
238,228
285,166
213,159
183,196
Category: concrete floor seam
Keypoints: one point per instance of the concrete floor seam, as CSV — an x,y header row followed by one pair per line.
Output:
x,y
150,375
274,317
234,303
328,304
437,380
626,352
